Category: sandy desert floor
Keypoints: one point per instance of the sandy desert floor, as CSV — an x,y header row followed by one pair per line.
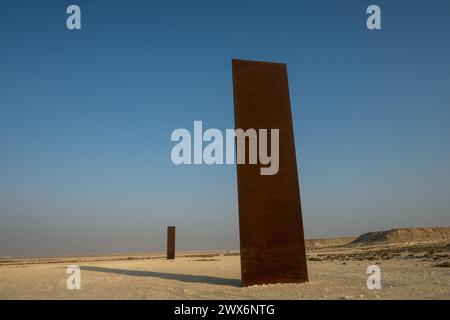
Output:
x,y
417,272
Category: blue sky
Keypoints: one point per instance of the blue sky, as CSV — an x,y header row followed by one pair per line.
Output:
x,y
86,118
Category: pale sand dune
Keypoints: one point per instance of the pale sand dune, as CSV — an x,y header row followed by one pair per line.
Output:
x,y
329,242
217,277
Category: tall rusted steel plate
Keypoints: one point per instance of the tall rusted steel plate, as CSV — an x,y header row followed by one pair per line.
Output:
x,y
270,216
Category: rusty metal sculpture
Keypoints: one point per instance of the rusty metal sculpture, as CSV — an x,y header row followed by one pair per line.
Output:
x,y
270,218
170,242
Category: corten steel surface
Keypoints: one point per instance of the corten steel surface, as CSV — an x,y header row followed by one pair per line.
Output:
x,y
171,242
270,217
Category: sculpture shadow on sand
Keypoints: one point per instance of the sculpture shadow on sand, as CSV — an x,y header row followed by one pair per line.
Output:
x,y
192,278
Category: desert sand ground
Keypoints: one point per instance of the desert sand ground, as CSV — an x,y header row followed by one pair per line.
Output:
x,y
409,271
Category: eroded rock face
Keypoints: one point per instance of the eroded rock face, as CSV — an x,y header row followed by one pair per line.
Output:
x,y
403,235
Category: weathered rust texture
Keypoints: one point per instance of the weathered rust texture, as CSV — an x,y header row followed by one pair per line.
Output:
x,y
171,242
270,217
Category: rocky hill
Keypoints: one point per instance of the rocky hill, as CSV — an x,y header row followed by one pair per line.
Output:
x,y
404,235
